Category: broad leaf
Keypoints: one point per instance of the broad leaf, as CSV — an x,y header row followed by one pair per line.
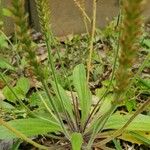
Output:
x,y
5,105
35,99
84,94
140,123
146,42
6,12
23,84
9,95
76,141
3,42
4,64
20,90
29,127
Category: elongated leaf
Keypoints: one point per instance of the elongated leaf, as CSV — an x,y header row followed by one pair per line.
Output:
x,y
140,123
147,42
20,90
9,95
3,42
117,144
65,98
126,136
105,105
4,64
23,84
84,94
16,144
5,105
140,137
6,12
76,141
29,127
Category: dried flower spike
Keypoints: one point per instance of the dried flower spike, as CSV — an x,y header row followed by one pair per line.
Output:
x,y
129,43
23,36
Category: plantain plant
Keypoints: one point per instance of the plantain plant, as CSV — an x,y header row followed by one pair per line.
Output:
x,y
70,116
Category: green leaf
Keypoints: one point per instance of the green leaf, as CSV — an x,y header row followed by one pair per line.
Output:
x,y
7,12
24,85
20,90
84,94
16,144
140,123
117,144
35,98
30,127
76,141
144,83
5,105
126,136
61,94
146,42
9,95
106,104
100,92
130,104
140,137
3,42
4,64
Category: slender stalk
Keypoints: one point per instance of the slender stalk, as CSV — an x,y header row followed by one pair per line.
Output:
x,y
46,106
129,46
82,10
96,107
21,135
55,78
55,110
1,16
89,67
82,6
75,102
25,43
43,11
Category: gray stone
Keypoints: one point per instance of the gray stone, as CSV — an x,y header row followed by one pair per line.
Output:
x,y
66,17
6,144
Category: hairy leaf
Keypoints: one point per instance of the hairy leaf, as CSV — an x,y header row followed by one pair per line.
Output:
x,y
20,90
61,94
76,141
140,123
4,64
29,127
84,94
140,138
